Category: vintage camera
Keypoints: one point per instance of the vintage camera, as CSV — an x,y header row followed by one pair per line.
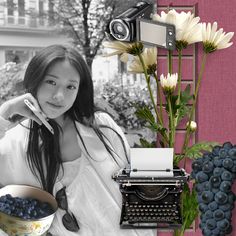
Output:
x,y
123,27
135,25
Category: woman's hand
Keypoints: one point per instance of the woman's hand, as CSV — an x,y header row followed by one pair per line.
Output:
x,y
16,110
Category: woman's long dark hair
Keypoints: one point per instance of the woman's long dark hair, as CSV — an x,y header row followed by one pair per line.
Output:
x,y
43,154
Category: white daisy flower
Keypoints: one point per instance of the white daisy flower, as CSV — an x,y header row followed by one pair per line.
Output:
x,y
123,49
149,56
169,82
214,39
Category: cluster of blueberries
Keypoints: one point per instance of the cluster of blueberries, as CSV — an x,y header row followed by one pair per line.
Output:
x,y
214,174
25,208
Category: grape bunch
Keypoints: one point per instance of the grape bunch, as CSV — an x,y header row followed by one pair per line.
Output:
x,y
214,174
25,208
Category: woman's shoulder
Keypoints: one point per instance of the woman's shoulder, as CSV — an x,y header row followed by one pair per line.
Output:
x,y
103,118
102,115
15,139
18,132
108,124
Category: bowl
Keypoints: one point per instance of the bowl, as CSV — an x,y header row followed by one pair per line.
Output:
x,y
16,226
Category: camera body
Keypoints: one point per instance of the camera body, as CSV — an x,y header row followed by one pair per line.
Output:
x,y
135,25
123,27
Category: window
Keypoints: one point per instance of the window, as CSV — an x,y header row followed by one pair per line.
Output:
x,y
41,12
17,56
21,7
51,13
10,7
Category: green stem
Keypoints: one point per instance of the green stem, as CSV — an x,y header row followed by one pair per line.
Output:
x,y
176,232
159,95
184,225
179,73
171,124
171,121
187,137
179,88
186,140
165,138
160,99
170,61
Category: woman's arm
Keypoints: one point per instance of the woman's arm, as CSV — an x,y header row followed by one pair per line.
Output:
x,y
14,111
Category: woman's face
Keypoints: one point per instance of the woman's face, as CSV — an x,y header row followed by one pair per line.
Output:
x,y
58,90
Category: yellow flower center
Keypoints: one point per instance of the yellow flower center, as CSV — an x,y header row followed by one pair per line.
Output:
x,y
135,49
181,44
209,47
151,69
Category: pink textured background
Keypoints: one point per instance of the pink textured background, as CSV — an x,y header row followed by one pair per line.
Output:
x,y
216,111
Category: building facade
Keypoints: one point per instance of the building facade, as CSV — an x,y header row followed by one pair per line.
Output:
x,y
25,28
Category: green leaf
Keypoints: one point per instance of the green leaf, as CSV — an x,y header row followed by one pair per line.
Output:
x,y
185,95
177,159
184,109
156,128
190,207
145,114
145,144
182,112
173,104
197,149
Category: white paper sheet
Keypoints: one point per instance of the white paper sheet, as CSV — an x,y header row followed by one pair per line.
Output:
x,y
151,162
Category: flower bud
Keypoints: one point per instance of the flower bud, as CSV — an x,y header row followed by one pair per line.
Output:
x,y
193,126
169,82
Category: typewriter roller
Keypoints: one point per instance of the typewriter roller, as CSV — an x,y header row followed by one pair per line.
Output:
x,y
151,202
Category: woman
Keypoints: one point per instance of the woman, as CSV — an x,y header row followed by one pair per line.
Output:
x,y
77,162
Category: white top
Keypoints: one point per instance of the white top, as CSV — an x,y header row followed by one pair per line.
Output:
x,y
71,170
93,196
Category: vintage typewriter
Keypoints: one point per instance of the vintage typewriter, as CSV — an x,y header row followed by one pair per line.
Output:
x,y
151,197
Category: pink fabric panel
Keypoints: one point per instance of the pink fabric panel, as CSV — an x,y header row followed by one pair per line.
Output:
x,y
187,73
216,111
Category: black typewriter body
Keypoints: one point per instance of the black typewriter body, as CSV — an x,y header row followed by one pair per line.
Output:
x,y
151,202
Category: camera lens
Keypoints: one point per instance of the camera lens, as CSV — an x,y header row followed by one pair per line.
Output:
x,y
119,29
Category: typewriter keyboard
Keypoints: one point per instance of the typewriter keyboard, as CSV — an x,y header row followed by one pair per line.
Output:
x,y
140,212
